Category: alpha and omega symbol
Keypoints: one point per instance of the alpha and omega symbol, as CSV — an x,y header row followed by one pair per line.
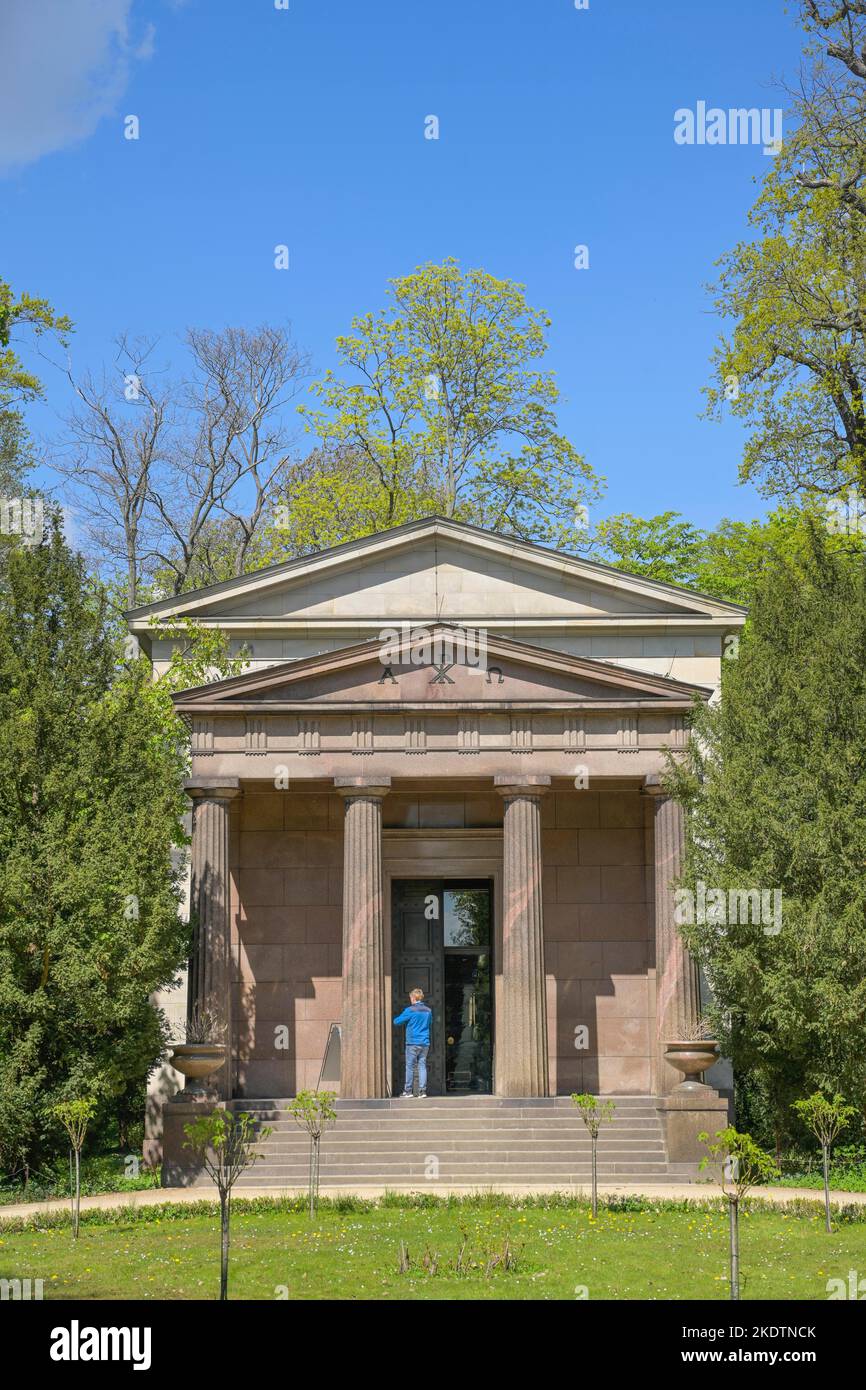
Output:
x,y
440,675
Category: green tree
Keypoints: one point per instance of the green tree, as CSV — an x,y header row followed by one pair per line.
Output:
x,y
91,801
830,139
223,1142
793,365
793,368
727,561
825,1117
739,1164
594,1114
664,547
774,783
18,385
442,406
75,1116
314,1111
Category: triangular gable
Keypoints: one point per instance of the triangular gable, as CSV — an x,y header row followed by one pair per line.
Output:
x,y
436,569
442,667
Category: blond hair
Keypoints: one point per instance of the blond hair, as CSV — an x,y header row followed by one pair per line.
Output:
x,y
416,994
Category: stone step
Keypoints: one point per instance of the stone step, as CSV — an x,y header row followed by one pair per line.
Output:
x,y
475,1154
423,1110
485,1103
478,1141
492,1153
654,1153
409,1125
565,1183
425,1114
428,1134
455,1103
478,1173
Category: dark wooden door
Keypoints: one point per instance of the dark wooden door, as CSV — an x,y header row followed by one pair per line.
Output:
x,y
442,940
416,963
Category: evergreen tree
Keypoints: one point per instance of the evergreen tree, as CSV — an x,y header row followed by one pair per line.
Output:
x,y
91,768
775,788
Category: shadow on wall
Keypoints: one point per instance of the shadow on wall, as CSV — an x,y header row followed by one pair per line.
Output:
x,y
598,939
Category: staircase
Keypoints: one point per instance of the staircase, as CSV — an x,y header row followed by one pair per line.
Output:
x,y
446,1142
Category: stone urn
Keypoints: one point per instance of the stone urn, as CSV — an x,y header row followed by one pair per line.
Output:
x,y
692,1058
196,1061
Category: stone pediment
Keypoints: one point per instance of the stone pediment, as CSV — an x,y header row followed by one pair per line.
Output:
x,y
443,667
435,570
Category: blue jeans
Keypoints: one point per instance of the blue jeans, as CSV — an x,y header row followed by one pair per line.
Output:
x,y
416,1055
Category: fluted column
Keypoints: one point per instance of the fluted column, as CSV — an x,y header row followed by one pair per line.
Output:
x,y
209,986
677,985
521,1050
364,1021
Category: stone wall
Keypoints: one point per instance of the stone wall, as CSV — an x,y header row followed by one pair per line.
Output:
x,y
288,868
286,853
598,941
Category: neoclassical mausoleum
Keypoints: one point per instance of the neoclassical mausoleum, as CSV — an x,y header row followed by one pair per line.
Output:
x,y
442,768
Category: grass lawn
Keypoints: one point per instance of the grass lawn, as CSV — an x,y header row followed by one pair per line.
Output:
x,y
656,1252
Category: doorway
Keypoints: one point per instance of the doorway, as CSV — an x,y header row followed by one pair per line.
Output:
x,y
442,944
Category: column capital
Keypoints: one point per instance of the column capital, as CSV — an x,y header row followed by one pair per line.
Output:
x,y
212,788
526,784
653,785
369,787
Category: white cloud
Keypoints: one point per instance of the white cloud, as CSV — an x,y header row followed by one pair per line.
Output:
x,y
64,65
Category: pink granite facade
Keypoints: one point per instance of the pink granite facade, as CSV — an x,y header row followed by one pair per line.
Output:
x,y
287,870
286,858
599,949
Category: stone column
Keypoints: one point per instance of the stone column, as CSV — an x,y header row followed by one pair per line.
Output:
x,y
677,987
210,962
363,1030
686,1110
521,1048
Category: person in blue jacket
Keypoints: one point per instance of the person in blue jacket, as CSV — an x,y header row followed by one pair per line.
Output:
x,y
417,1019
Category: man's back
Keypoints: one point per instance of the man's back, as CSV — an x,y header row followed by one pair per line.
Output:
x,y
418,1019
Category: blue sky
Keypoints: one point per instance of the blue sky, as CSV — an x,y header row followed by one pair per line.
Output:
x,y
305,126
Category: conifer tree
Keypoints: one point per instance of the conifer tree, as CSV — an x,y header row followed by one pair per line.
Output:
x,y
775,788
91,800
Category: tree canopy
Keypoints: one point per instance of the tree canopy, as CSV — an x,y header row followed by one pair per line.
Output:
x,y
21,314
441,405
792,363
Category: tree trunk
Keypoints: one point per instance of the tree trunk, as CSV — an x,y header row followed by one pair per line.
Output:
x,y
224,1246
314,1174
77,1208
595,1175
825,1154
734,1218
